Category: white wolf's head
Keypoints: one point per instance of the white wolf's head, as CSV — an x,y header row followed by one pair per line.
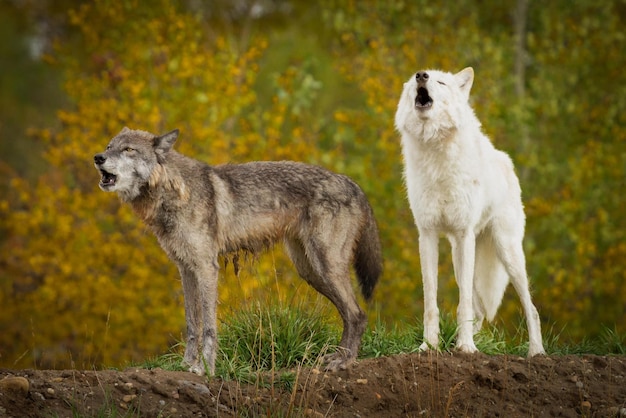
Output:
x,y
130,159
434,103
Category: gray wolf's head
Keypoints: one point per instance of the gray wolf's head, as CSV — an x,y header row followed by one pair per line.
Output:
x,y
130,159
434,101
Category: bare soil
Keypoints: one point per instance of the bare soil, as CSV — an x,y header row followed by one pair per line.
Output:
x,y
415,385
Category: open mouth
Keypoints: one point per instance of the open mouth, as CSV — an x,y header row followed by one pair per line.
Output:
x,y
423,100
108,179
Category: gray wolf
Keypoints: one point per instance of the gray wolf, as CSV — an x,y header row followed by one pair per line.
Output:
x,y
459,185
199,212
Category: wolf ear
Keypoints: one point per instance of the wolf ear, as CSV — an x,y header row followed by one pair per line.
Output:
x,y
465,79
165,142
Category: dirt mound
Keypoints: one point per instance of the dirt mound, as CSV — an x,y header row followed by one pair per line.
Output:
x,y
413,385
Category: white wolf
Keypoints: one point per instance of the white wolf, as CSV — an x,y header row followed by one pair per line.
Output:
x,y
459,185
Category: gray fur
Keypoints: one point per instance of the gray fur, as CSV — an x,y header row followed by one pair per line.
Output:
x,y
199,212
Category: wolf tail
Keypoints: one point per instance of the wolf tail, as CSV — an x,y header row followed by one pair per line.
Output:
x,y
490,278
368,261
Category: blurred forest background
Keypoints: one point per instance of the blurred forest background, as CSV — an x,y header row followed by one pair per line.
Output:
x,y
82,282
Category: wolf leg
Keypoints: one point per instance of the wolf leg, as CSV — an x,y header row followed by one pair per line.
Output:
x,y
192,316
463,258
200,292
207,285
429,259
331,277
511,253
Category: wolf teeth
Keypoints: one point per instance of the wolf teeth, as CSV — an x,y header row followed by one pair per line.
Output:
x,y
108,178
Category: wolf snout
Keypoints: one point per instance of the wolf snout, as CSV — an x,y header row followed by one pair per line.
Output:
x,y
421,76
99,159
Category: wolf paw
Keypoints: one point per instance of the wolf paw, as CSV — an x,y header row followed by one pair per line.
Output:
x,y
424,347
337,361
197,369
534,351
467,348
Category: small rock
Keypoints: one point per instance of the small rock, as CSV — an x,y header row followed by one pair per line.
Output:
x,y
15,384
50,391
313,413
585,405
615,411
362,381
129,398
203,390
38,396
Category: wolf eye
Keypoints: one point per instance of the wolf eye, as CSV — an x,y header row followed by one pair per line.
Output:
x,y
129,149
441,82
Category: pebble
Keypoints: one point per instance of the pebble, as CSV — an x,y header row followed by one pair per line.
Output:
x,y
129,398
309,412
15,384
38,396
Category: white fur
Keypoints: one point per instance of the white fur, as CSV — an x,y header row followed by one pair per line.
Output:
x,y
459,185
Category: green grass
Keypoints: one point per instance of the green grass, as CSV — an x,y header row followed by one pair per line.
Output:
x,y
269,338
273,337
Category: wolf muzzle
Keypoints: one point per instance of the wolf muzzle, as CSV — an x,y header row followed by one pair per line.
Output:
x,y
107,180
423,99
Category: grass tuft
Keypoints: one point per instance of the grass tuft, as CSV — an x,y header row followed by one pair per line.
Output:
x,y
380,341
612,341
273,337
170,361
